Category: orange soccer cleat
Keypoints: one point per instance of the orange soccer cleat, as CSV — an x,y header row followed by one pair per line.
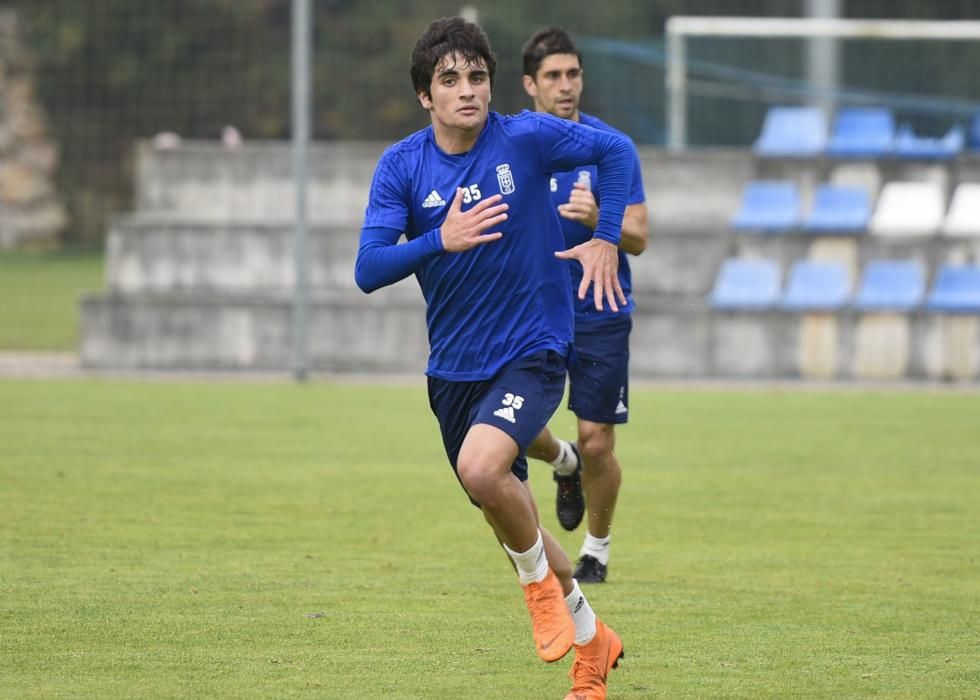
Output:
x,y
554,629
593,662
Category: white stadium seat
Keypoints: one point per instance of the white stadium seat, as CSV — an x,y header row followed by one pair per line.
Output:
x,y
964,211
909,209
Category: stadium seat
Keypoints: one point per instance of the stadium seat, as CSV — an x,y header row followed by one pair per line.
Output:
x,y
909,209
838,209
746,283
956,289
891,285
768,206
862,132
910,146
973,134
799,132
963,218
816,286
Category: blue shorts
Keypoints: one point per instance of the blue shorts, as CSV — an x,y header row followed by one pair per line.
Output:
x,y
598,373
520,400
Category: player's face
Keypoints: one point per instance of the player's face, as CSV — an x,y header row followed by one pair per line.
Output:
x,y
557,86
459,96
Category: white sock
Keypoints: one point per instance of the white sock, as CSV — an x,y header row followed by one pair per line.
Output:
x,y
565,463
582,614
532,565
597,548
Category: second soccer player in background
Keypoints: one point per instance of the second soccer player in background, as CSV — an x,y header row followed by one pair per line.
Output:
x,y
587,472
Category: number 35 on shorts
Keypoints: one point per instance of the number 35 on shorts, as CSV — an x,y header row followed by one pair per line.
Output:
x,y
511,404
515,401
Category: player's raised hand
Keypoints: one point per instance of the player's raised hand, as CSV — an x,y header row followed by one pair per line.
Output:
x,y
463,230
581,206
600,267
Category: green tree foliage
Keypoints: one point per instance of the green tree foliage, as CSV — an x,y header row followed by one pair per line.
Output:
x,y
114,71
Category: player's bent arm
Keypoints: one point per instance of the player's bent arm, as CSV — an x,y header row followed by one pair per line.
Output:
x,y
565,144
382,261
636,230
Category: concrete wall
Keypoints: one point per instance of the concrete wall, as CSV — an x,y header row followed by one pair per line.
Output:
x,y
199,277
253,182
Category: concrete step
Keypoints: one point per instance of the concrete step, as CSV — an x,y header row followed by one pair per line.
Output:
x,y
385,332
160,253
157,253
382,332
695,190
254,180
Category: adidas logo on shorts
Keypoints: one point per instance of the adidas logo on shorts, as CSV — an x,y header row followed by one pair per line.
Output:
x,y
507,413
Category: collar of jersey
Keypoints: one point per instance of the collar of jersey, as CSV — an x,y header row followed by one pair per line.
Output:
x,y
461,157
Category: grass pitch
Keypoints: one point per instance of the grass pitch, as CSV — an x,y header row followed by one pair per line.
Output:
x,y
39,294
256,541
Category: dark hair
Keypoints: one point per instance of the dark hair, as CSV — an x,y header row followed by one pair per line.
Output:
x,y
544,43
444,37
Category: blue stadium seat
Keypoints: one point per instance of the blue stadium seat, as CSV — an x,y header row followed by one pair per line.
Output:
x,y
862,133
973,134
839,209
910,146
816,286
768,206
799,132
746,283
956,289
891,285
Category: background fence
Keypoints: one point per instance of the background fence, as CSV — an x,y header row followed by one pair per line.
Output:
x,y
109,72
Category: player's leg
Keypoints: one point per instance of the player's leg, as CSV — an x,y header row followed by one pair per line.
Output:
x,y
598,648
484,468
491,466
567,465
601,480
599,397
545,447
560,454
602,476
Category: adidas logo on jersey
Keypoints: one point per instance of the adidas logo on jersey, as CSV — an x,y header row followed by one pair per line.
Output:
x,y
507,413
433,200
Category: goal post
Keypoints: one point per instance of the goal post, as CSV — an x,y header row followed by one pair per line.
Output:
x,y
679,29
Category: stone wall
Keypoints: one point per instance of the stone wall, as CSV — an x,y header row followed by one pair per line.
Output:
x,y
31,213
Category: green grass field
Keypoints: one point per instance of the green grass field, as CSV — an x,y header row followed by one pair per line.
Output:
x,y
40,293
177,540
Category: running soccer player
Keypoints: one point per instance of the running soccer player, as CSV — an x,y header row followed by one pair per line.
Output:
x,y
470,195
598,374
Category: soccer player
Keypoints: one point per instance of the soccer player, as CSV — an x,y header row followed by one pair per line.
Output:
x,y
598,374
470,195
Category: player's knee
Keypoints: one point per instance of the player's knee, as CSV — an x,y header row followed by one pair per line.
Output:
x,y
478,480
596,442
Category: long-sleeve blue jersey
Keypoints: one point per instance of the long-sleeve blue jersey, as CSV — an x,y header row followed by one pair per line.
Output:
x,y
503,300
575,232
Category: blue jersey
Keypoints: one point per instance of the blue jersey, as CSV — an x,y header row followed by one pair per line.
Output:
x,y
504,300
576,232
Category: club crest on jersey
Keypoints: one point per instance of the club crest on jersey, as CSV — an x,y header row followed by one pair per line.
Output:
x,y
505,178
